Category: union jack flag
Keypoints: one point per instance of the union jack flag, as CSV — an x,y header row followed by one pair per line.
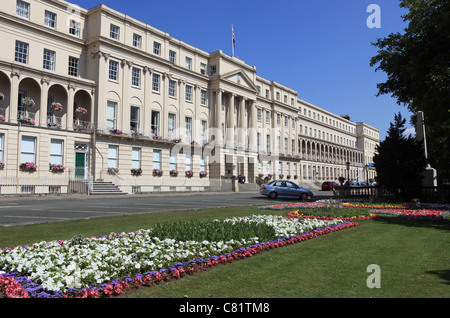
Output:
x,y
234,39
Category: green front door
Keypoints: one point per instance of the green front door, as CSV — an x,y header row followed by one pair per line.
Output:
x,y
80,162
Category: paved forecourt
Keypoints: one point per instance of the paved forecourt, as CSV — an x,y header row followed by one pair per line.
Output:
x,y
32,210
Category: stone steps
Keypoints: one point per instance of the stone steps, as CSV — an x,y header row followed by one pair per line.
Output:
x,y
104,187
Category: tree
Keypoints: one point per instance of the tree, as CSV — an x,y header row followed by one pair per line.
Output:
x,y
400,160
417,64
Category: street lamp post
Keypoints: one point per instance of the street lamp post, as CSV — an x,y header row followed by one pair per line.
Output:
x,y
348,172
366,169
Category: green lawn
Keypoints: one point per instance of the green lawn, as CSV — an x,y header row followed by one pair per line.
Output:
x,y
413,257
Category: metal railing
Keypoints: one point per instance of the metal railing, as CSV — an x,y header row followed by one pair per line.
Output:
x,y
60,183
54,121
26,117
83,126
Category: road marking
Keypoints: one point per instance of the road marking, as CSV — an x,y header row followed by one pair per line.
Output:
x,y
12,206
33,217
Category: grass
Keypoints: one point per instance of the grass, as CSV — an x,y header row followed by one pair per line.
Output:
x,y
413,257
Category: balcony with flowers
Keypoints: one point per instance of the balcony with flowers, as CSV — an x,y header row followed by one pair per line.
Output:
x,y
24,116
79,122
54,121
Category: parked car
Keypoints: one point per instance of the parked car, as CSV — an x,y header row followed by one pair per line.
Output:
x,y
285,188
329,185
355,184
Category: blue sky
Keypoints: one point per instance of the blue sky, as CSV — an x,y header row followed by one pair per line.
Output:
x,y
319,48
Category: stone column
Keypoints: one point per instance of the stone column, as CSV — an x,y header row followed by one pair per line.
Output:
x,y
69,111
43,104
13,97
181,119
146,111
231,121
100,114
219,119
124,119
164,119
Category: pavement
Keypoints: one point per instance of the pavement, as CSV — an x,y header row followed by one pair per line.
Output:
x,y
24,210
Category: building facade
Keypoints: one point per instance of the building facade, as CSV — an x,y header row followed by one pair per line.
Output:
x,y
93,94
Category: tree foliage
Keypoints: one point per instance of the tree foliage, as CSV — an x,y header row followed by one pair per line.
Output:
x,y
400,160
417,64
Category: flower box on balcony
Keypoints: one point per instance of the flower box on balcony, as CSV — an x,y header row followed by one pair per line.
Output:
x,y
56,167
116,131
189,173
136,171
174,173
157,172
80,127
203,174
137,134
28,166
27,121
2,165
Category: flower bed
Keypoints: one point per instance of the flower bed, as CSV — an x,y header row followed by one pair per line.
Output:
x,y
373,205
297,214
435,212
108,265
303,205
432,215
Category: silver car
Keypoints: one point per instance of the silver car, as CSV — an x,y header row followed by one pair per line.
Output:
x,y
285,188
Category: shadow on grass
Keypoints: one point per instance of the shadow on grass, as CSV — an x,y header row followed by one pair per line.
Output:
x,y
443,274
443,225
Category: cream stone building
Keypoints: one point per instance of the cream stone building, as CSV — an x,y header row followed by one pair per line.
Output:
x,y
93,95
368,140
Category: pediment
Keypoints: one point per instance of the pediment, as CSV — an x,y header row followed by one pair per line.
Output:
x,y
239,78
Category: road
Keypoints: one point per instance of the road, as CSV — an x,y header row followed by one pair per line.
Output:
x,y
16,211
